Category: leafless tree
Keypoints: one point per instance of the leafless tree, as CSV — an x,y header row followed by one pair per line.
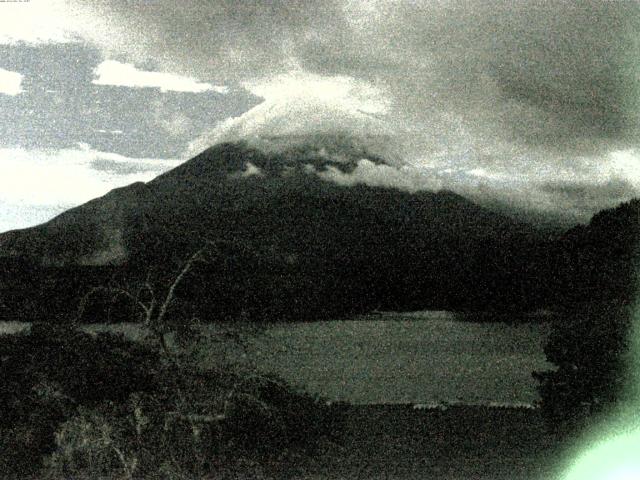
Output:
x,y
150,298
156,299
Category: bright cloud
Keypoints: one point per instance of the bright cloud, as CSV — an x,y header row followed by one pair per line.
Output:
x,y
592,183
111,72
354,96
624,164
46,182
299,103
10,82
405,178
35,22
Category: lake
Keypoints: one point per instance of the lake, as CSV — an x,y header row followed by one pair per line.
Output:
x,y
420,358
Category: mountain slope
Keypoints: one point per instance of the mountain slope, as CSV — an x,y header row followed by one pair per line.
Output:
x,y
213,185
292,241
599,262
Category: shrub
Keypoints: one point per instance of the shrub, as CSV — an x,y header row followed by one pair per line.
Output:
x,y
589,350
196,426
46,373
77,405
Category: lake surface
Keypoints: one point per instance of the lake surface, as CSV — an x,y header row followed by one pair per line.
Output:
x,y
420,357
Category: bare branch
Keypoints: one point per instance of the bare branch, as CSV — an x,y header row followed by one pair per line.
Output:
x,y
151,299
116,292
121,291
128,469
82,305
172,289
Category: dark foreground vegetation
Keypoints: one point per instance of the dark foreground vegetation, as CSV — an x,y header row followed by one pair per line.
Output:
x,y
81,406
591,346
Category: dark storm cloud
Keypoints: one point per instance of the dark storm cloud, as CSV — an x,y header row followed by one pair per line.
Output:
x,y
60,107
576,61
227,38
544,73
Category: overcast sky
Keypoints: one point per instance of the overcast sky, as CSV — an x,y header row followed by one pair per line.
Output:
x,y
533,103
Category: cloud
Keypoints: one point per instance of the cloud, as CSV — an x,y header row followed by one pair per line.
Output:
x,y
493,97
567,194
48,181
21,214
126,167
375,175
298,104
558,74
512,69
10,82
111,72
585,198
553,73
60,106
575,190
36,22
